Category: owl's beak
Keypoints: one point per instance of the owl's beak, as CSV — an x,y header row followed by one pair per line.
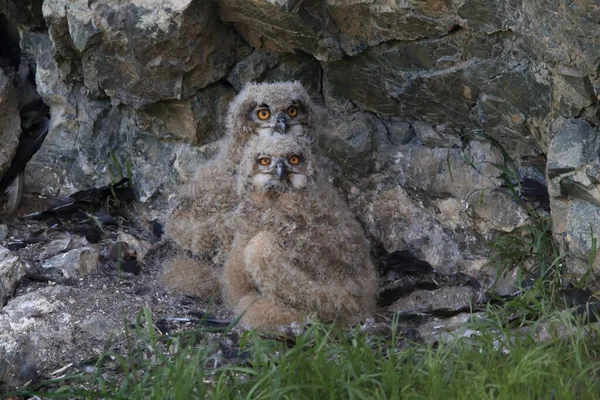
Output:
x,y
280,170
281,125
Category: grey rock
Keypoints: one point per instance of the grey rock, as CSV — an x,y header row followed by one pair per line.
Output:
x,y
139,53
573,144
582,227
464,80
264,66
508,106
155,164
441,172
453,298
398,131
367,23
574,44
419,201
421,80
489,17
150,142
10,123
54,248
64,155
591,114
77,262
70,112
572,169
3,232
335,101
197,120
12,269
574,90
252,68
48,328
497,210
430,137
397,222
450,330
349,140
283,26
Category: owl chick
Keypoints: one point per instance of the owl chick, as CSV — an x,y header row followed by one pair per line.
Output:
x,y
298,250
199,223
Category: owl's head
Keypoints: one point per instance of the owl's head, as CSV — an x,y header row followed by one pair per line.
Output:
x,y
276,163
281,107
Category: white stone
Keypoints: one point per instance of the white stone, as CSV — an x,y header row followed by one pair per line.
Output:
x,y
12,269
77,262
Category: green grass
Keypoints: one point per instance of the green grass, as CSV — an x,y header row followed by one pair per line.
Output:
x,y
331,367
327,363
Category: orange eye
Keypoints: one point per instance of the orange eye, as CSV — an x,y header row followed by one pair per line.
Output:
x,y
292,111
263,114
264,161
294,160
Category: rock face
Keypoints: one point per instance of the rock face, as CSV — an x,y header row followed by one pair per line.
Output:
x,y
425,102
82,261
433,112
574,176
49,327
10,123
11,270
160,51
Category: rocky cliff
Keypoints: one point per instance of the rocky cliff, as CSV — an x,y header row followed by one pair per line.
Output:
x,y
424,101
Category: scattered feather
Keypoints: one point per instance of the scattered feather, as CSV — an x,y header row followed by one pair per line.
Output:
x,y
14,192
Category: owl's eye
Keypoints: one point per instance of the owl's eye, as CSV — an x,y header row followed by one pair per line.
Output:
x,y
294,160
263,114
292,111
264,161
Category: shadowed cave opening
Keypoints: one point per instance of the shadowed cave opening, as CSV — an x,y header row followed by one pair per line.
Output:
x,y
34,113
10,51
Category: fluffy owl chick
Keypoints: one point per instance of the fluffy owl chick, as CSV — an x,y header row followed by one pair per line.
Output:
x,y
199,224
298,250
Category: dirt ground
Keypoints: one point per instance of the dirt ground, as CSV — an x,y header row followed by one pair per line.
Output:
x,y
58,317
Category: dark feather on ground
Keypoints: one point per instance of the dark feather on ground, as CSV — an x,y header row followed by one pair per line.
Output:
x,y
83,199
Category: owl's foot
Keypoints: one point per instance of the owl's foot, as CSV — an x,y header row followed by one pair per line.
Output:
x,y
265,313
191,277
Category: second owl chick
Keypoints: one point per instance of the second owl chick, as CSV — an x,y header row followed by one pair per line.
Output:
x,y
298,251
